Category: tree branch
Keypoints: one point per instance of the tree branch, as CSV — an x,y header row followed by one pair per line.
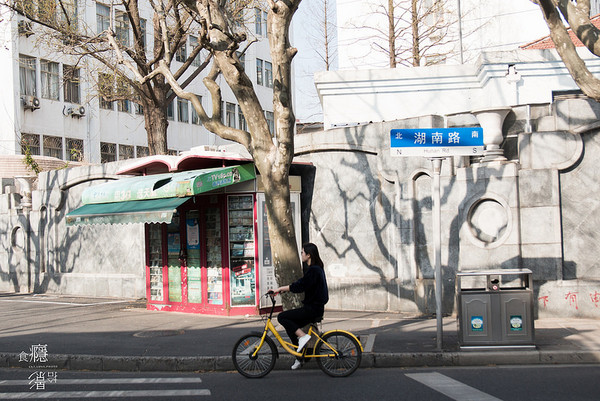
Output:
x,y
567,51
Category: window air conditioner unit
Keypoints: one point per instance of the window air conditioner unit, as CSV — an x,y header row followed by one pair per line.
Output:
x,y
76,111
25,28
30,102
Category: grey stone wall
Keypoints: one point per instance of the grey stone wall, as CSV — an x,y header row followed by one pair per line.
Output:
x,y
371,216
106,261
370,213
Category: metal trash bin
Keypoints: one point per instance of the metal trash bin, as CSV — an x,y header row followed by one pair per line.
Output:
x,y
495,309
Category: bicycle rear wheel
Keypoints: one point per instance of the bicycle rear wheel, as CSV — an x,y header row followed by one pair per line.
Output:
x,y
258,365
348,355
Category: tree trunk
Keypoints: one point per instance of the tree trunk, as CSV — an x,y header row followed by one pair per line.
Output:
x,y
416,51
391,34
582,76
281,230
156,123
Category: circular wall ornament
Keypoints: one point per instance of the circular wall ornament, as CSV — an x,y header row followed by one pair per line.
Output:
x,y
489,221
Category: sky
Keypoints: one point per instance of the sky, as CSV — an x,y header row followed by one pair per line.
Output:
x,y
306,62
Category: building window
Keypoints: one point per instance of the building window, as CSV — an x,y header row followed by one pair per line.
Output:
x,y
105,91
122,28
124,92
195,116
53,146
270,121
258,24
71,84
230,115
264,21
31,142
47,10
170,112
193,44
102,18
125,152
27,74
50,82
268,74
142,151
242,57
143,33
67,12
259,71
139,109
242,119
74,149
124,105
181,53
108,152
183,111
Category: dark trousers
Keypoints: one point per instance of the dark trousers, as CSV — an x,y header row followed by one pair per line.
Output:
x,y
294,319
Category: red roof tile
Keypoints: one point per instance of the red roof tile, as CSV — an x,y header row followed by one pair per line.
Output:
x,y
547,43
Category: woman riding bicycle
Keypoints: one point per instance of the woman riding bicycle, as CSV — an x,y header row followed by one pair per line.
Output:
x,y
316,295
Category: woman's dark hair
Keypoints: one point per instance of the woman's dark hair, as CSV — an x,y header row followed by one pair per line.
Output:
x,y
312,250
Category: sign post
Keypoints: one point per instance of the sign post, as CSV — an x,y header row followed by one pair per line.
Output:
x,y
437,144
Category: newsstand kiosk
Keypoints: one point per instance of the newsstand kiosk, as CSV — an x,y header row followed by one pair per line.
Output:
x,y
207,245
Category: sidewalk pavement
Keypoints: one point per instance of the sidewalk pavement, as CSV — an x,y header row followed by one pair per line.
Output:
x,y
118,334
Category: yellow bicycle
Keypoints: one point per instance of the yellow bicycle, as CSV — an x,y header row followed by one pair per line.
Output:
x,y
338,352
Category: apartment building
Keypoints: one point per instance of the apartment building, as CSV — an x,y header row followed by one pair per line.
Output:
x,y
50,102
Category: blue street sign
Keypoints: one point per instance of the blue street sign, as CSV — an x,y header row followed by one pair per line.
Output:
x,y
437,142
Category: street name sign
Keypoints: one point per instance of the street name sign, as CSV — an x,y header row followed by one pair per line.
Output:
x,y
437,142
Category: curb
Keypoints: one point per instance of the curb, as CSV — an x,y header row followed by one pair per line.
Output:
x,y
369,360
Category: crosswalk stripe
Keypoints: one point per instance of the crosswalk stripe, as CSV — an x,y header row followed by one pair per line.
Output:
x,y
370,343
103,394
450,387
131,380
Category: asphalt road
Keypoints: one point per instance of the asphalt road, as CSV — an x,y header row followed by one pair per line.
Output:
x,y
515,383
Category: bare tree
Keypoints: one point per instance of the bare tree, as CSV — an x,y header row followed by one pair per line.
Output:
x,y
220,29
316,37
577,15
416,32
115,82
272,152
322,32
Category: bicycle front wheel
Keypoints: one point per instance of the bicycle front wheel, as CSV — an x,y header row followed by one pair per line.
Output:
x,y
250,365
346,357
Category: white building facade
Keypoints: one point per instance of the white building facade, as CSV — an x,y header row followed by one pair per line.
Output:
x,y
59,114
497,79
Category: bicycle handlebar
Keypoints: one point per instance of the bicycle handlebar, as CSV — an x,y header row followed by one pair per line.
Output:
x,y
272,295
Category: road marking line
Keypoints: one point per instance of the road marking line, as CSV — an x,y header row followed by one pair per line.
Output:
x,y
125,380
370,342
103,394
450,387
62,303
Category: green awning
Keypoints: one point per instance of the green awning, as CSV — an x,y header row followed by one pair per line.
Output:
x,y
142,211
153,198
170,185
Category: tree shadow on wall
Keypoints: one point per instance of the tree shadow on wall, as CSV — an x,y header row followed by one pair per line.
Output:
x,y
383,214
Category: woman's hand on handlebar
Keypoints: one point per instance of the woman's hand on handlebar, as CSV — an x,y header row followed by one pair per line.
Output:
x,y
280,290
